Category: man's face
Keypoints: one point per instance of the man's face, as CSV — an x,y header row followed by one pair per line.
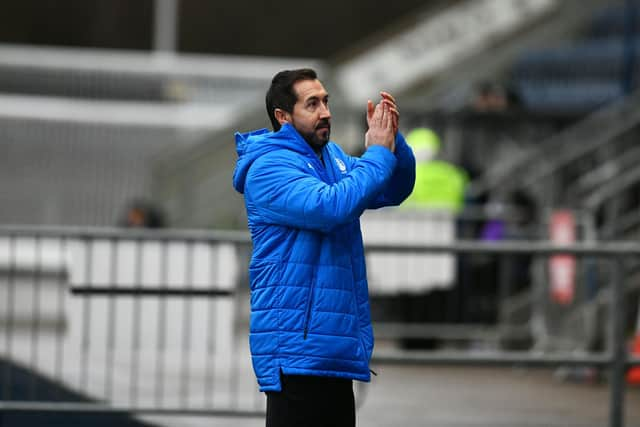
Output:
x,y
311,116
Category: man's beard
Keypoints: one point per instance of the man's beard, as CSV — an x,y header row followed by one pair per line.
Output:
x,y
316,141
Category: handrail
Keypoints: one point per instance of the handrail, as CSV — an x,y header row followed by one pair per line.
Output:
x,y
594,178
622,224
612,249
493,358
592,132
610,189
188,235
603,249
628,115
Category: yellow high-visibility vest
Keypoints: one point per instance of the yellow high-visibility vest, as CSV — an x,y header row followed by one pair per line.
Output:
x,y
439,184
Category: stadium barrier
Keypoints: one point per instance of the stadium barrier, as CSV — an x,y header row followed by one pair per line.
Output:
x,y
121,320
143,322
614,358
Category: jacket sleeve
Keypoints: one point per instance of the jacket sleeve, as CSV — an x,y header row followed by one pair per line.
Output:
x,y
282,190
400,186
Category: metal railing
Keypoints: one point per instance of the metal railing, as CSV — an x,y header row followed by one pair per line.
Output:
x,y
144,321
614,358
122,321
555,153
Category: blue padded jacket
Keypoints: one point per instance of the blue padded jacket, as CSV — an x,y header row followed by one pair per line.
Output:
x,y
309,297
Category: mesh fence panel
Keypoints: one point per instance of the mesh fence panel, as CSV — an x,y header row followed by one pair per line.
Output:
x,y
81,130
74,173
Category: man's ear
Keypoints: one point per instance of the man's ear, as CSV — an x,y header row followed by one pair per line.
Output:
x,y
282,116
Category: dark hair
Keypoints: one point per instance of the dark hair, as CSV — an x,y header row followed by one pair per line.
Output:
x,y
281,94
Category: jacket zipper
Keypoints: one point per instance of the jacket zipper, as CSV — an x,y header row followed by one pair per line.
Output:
x,y
307,317
355,303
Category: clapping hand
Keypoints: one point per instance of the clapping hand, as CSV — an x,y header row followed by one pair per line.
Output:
x,y
390,100
383,123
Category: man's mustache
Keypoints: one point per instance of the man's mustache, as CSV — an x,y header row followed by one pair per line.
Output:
x,y
324,124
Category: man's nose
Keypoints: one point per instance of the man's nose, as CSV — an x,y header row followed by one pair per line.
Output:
x,y
325,113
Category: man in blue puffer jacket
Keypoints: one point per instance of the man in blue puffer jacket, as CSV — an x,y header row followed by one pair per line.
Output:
x,y
310,328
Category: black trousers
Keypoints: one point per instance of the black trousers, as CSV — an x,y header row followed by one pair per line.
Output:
x,y
308,401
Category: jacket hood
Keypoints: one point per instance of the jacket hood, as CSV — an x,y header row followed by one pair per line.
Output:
x,y
251,145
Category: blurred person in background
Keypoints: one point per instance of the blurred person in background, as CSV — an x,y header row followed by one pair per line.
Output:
x,y
310,330
439,184
140,213
492,97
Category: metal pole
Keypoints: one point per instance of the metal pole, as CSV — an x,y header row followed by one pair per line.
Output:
x,y
617,345
165,25
504,288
